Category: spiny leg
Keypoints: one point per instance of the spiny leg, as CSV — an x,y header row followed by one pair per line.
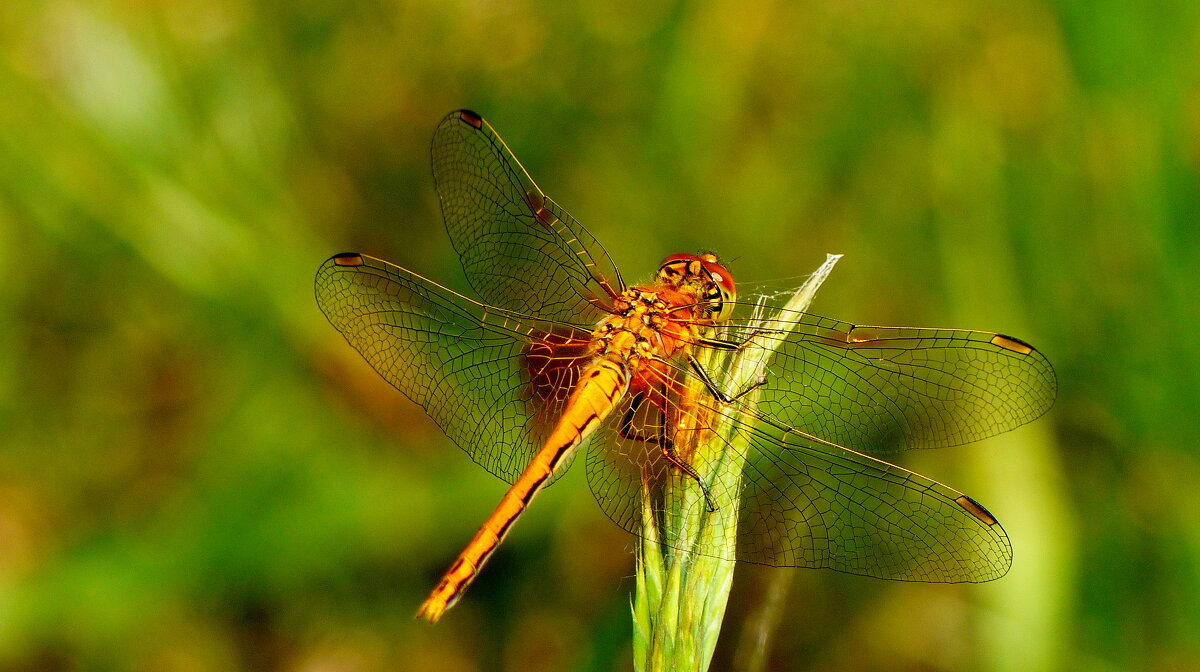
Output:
x,y
664,442
668,451
628,431
725,344
718,393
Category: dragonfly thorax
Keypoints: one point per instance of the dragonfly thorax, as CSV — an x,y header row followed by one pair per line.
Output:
x,y
646,322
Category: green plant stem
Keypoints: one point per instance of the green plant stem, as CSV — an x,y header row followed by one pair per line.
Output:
x,y
685,558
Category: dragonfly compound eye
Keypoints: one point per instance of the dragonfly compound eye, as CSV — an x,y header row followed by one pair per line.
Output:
x,y
675,269
721,293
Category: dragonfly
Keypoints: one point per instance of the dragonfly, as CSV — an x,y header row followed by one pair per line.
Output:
x,y
560,357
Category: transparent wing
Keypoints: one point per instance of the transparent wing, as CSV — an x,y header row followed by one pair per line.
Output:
x,y
520,250
879,390
807,503
494,381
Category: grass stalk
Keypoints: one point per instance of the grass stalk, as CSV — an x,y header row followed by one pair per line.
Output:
x,y
685,556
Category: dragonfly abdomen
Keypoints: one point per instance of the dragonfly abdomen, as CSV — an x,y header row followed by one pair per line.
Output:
x,y
601,386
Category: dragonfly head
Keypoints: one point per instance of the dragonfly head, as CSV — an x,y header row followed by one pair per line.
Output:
x,y
704,276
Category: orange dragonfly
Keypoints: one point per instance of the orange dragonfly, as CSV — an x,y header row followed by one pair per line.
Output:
x,y
562,355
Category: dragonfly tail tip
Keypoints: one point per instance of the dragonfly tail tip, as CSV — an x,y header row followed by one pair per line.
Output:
x,y
430,611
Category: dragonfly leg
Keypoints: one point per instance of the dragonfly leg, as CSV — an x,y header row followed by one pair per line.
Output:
x,y
718,393
627,430
665,444
672,456
724,344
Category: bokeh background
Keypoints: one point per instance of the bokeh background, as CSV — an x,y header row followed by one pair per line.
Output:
x,y
197,473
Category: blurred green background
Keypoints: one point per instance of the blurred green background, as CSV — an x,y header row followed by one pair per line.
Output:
x,y
197,473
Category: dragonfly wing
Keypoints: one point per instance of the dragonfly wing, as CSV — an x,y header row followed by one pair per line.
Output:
x,y
520,250
494,381
805,503
883,389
